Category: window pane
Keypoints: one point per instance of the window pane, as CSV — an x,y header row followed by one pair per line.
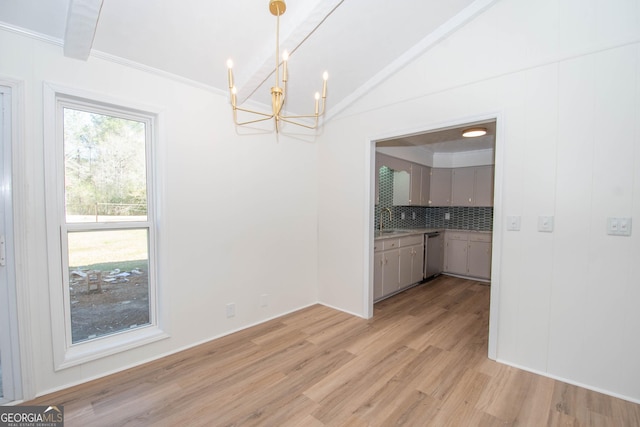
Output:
x,y
105,168
108,282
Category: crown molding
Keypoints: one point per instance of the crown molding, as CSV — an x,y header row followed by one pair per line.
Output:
x,y
31,34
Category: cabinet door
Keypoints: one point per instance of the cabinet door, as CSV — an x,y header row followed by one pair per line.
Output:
x,y
462,184
414,199
479,259
378,261
484,186
401,188
417,264
406,258
456,256
440,187
425,185
390,272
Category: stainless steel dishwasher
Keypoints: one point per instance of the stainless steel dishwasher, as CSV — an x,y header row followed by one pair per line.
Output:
x,y
433,254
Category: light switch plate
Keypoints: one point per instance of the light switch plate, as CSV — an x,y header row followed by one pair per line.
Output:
x,y
545,224
513,223
617,226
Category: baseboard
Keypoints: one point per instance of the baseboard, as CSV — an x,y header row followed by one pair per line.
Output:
x,y
568,381
166,354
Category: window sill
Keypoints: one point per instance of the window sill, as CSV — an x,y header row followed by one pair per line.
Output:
x,y
95,349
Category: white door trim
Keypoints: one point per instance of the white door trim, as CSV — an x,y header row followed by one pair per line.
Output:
x,y
9,355
496,258
18,207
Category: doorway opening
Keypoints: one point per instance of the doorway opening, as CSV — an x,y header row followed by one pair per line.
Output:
x,y
437,181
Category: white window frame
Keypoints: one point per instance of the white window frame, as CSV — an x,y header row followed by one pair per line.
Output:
x,y
67,353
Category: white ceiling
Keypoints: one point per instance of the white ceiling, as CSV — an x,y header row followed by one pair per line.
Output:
x,y
447,140
359,42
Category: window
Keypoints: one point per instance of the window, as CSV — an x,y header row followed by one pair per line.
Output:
x,y
101,193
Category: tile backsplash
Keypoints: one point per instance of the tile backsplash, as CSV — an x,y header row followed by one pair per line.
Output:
x,y
463,218
460,218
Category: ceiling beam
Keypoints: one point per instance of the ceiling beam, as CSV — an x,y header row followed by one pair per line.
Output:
x,y
82,21
266,67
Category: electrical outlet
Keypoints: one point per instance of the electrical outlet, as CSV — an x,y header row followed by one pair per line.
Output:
x,y
447,216
264,300
231,309
401,215
413,215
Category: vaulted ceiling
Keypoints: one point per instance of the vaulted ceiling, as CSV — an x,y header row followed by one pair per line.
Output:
x,y
359,42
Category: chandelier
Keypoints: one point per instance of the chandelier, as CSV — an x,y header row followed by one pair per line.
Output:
x,y
279,91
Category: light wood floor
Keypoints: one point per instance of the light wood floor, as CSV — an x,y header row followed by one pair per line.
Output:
x,y
421,361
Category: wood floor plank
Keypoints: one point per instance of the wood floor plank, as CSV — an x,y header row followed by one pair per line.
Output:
x,y
506,393
421,361
458,408
381,403
414,409
367,374
537,403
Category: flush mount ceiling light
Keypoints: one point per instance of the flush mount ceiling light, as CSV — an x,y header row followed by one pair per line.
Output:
x,y
278,93
473,132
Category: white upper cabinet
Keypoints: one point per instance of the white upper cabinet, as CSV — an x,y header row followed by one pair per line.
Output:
x,y
411,181
425,185
472,186
419,185
484,186
401,188
440,193
462,186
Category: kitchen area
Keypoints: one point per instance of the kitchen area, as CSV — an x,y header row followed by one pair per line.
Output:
x,y
433,208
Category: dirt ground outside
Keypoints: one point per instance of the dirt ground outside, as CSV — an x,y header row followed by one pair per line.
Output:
x,y
122,303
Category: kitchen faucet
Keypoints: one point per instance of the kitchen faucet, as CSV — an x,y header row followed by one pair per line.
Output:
x,y
390,216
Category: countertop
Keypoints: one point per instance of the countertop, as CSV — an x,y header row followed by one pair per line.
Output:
x,y
400,232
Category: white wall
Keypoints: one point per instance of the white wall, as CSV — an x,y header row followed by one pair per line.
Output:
x,y
413,154
440,160
238,215
565,77
464,159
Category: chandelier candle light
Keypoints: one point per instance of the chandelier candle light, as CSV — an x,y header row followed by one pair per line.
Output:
x,y
278,93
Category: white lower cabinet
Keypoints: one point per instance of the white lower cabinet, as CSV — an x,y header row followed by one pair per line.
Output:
x,y
386,268
390,270
417,264
398,263
468,254
456,253
479,262
411,264
378,263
